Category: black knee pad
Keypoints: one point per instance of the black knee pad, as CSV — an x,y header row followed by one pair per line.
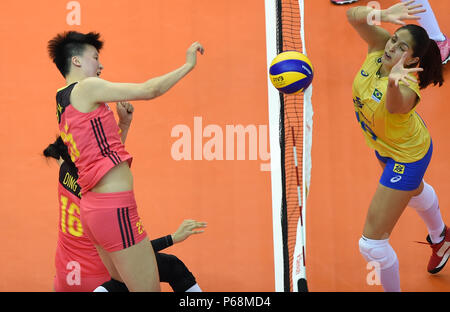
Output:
x,y
173,271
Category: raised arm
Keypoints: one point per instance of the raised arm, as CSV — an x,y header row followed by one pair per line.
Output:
x,y
92,91
376,37
399,98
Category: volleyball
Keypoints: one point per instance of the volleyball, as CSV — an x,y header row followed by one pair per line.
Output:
x,y
291,72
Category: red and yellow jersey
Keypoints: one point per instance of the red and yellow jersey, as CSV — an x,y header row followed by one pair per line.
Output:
x,y
402,137
92,139
74,249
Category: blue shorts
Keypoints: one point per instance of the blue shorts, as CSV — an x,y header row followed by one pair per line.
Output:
x,y
404,176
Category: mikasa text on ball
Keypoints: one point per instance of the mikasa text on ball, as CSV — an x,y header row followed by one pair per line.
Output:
x,y
291,72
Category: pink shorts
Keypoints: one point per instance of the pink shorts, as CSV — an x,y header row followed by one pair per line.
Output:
x,y
68,282
111,220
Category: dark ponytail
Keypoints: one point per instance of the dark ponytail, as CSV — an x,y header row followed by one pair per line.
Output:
x,y
58,149
429,54
432,66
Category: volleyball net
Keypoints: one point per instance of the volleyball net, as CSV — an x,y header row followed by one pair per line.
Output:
x,y
290,123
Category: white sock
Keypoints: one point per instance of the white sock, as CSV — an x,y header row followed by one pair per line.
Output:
x,y
427,206
428,21
100,289
194,288
390,278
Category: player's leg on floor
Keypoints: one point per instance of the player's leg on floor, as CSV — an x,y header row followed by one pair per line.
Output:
x,y
440,252
427,206
384,211
381,252
137,267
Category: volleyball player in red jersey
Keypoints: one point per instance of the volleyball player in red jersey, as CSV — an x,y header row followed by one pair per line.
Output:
x,y
88,128
78,266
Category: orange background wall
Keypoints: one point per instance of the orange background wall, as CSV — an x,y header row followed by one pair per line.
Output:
x,y
142,40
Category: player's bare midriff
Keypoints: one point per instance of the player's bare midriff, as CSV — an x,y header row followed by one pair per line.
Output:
x,y
118,179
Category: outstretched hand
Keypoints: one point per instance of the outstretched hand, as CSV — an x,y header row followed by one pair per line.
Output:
x,y
402,11
186,229
400,73
191,54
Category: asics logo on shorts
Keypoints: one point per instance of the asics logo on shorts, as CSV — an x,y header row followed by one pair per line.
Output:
x,y
125,227
396,179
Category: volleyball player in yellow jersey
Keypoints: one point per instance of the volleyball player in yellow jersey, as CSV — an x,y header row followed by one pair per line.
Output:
x,y
385,94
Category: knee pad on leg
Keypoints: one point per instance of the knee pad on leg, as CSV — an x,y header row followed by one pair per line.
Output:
x,y
173,271
424,200
379,251
183,278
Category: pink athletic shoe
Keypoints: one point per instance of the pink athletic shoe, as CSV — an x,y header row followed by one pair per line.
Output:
x,y
342,1
444,47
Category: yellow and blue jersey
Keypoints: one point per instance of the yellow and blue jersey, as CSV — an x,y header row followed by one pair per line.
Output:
x,y
403,137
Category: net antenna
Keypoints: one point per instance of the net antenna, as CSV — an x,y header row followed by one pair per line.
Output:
x,y
290,124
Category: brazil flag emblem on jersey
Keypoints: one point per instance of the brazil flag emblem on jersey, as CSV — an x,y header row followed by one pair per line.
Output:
x,y
377,95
